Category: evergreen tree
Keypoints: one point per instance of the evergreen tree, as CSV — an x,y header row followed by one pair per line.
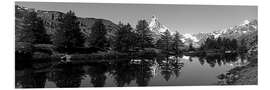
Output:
x,y
97,36
220,43
125,38
68,36
243,45
40,33
234,44
29,30
190,47
144,34
32,31
177,43
165,42
26,33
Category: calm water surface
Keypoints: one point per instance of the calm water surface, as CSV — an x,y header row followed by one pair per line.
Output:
x,y
169,71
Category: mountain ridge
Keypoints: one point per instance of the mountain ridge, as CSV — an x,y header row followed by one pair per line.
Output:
x,y
197,39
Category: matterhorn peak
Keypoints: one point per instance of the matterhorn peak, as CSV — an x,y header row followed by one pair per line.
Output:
x,y
154,18
156,26
154,22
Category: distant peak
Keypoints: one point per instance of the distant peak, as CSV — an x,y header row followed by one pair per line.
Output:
x,y
156,26
246,21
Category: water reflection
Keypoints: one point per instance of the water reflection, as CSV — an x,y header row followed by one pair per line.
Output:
x,y
170,67
134,72
30,79
223,59
97,74
67,76
123,73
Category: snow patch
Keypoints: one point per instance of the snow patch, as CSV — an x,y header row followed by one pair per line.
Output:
x,y
246,22
191,37
216,35
186,57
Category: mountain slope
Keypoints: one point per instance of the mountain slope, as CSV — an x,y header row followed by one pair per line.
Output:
x,y
51,20
247,29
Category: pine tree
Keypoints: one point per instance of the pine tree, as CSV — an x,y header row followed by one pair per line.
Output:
x,y
125,38
145,39
33,30
97,36
191,48
40,33
165,42
234,44
177,43
243,45
68,36
26,33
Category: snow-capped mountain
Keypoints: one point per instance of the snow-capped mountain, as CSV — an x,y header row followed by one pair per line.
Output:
x,y
235,32
156,27
198,38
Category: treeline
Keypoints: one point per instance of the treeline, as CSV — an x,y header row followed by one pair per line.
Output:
x,y
169,43
68,37
129,39
32,30
222,43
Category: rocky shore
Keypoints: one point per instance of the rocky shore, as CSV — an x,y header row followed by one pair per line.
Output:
x,y
244,75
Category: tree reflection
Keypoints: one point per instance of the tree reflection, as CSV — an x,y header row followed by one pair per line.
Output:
x,y
201,60
30,79
68,76
166,72
124,73
170,67
218,59
97,73
143,73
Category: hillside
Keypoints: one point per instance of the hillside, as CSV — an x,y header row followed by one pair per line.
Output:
x,y
51,21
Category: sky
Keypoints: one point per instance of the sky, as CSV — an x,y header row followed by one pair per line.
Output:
x,y
181,18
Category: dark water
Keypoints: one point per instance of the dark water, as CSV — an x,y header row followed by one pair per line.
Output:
x,y
169,71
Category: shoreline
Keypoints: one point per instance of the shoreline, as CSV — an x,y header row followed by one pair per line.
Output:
x,y
243,75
